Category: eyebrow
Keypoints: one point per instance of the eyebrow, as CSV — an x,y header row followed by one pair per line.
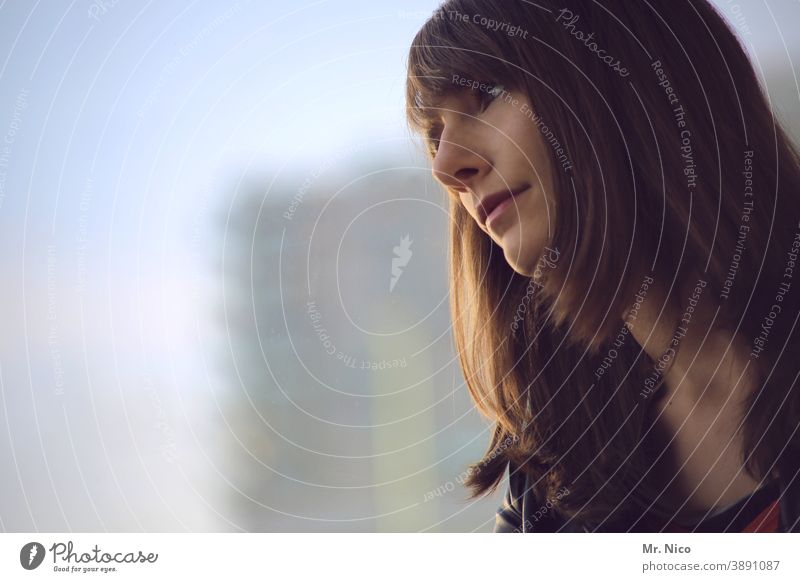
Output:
x,y
438,102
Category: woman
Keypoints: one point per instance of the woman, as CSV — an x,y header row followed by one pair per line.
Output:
x,y
624,230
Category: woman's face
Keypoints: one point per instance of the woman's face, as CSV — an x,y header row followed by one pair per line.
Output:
x,y
493,155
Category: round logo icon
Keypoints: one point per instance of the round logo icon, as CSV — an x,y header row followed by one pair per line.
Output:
x,y
31,555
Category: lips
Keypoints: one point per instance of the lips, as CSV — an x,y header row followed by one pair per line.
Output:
x,y
488,203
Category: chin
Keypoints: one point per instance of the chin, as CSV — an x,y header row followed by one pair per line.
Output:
x,y
523,247
526,259
521,262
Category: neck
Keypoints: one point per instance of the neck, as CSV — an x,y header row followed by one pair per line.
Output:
x,y
705,365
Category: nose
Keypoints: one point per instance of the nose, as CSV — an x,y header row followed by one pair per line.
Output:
x,y
457,165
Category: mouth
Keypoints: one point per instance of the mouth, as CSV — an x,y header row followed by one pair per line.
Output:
x,y
488,204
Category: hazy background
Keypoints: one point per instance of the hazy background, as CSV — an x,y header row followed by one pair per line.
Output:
x,y
200,210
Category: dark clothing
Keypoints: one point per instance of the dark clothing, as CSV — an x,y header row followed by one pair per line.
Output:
x,y
774,507
757,512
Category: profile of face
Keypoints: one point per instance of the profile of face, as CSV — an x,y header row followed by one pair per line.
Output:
x,y
493,155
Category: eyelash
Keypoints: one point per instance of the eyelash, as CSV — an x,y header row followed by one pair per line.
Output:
x,y
433,134
485,98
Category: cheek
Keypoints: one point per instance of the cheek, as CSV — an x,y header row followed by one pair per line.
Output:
x,y
534,159
525,141
527,146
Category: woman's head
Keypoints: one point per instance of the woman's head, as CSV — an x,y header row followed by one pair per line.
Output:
x,y
631,130
491,159
615,117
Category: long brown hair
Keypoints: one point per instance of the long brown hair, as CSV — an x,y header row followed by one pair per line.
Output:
x,y
679,173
